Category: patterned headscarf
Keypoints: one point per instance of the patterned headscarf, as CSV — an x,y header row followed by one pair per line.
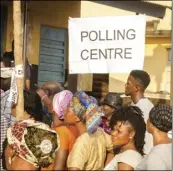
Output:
x,y
86,108
61,101
34,142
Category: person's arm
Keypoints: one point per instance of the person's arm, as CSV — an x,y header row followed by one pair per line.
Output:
x,y
27,84
78,157
62,153
124,166
109,144
45,99
73,168
27,75
60,159
109,157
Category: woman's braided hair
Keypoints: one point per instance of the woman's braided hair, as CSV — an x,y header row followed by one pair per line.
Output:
x,y
134,116
161,117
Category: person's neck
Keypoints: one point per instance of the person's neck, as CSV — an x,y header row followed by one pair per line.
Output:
x,y
109,117
161,138
129,146
81,127
136,97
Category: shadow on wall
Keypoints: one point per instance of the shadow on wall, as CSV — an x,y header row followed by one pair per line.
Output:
x,y
155,65
116,85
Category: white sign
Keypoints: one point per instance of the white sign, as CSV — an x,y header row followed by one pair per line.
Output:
x,y
106,44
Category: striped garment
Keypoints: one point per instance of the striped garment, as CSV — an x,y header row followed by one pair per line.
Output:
x,y
6,119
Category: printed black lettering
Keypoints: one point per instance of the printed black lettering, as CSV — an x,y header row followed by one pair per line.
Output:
x,y
95,35
85,50
100,39
131,34
83,34
110,54
92,53
107,35
126,52
119,34
102,54
118,53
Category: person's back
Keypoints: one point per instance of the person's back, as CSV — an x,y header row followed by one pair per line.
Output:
x,y
145,105
158,125
136,85
89,151
159,158
67,137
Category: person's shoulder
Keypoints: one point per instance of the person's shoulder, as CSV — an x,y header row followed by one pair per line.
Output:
x,y
145,102
61,129
132,153
161,148
130,157
148,101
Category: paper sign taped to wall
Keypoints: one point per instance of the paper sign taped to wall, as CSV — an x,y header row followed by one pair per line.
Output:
x,y
106,44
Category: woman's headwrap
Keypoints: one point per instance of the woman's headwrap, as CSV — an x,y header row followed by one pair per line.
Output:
x,y
37,148
87,110
61,101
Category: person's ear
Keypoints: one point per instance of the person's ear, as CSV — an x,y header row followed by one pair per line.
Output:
x,y
77,119
138,88
132,134
149,124
112,109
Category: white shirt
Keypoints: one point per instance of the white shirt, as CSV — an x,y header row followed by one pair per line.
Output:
x,y
159,158
145,105
130,157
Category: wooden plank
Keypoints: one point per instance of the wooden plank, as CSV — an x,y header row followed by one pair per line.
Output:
x,y
51,42
50,67
48,61
49,77
50,50
51,73
51,57
46,45
52,33
58,53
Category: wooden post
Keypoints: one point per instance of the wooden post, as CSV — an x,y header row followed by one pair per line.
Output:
x,y
18,43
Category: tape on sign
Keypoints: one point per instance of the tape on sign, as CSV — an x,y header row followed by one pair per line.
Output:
x,y
19,72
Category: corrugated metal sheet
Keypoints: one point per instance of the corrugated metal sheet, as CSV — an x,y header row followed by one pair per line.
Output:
x,y
52,55
138,6
164,4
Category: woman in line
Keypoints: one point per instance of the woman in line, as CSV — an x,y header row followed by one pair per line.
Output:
x,y
89,150
159,124
67,133
32,110
32,106
110,104
31,145
128,132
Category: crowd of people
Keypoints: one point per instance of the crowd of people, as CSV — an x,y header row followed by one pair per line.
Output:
x,y
66,131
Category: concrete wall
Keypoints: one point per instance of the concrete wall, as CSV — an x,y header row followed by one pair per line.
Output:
x,y
56,13
156,55
93,9
155,63
50,13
